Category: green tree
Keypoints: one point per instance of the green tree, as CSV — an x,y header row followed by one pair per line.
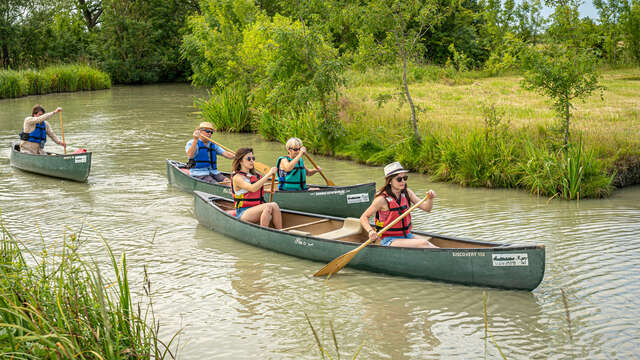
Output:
x,y
563,74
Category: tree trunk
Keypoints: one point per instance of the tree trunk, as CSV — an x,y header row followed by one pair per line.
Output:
x,y
408,95
566,123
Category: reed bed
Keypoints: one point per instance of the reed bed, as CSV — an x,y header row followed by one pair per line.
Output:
x,y
58,78
57,306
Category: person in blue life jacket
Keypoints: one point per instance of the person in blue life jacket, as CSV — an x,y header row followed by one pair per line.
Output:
x,y
292,174
391,201
247,189
35,130
203,155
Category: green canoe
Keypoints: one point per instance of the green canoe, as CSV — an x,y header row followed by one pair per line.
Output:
x,y
323,238
72,166
334,200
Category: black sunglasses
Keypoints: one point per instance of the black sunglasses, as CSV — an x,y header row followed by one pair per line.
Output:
x,y
208,131
294,149
251,158
402,178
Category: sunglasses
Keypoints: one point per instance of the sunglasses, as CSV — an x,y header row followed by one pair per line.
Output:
x,y
208,131
251,158
294,149
402,178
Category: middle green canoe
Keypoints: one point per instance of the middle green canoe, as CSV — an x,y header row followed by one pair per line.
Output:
x,y
344,201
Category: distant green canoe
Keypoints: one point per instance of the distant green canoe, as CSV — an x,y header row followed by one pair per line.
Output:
x,y
333,200
323,238
71,166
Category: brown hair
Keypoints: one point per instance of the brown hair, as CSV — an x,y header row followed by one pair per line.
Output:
x,y
235,165
36,109
386,188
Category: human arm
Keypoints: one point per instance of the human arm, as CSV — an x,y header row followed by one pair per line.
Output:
x,y
288,166
192,145
32,121
239,183
52,135
312,171
376,205
427,205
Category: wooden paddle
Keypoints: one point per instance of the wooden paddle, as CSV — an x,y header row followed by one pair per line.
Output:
x,y
329,182
62,130
262,168
341,261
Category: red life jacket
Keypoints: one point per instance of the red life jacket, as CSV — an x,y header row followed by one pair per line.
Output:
x,y
401,228
248,199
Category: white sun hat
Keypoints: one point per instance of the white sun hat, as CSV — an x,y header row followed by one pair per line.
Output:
x,y
393,169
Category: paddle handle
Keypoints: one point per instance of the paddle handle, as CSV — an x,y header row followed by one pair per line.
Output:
x,y
62,131
329,182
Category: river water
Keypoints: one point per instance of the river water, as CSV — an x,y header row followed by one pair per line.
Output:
x,y
234,301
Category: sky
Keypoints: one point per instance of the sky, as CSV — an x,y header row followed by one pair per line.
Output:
x,y
586,10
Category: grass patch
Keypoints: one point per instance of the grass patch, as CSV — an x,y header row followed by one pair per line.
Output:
x,y
60,307
58,78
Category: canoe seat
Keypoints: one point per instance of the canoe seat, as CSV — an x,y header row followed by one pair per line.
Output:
x,y
351,226
299,232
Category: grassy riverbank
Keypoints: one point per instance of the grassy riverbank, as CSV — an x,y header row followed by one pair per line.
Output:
x,y
476,130
60,78
60,307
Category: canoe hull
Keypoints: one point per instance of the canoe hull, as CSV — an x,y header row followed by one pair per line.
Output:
x,y
74,167
344,201
509,267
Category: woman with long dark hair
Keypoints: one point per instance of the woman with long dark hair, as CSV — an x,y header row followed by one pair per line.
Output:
x,y
248,193
391,201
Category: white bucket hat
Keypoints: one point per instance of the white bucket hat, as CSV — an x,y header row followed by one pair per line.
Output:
x,y
394,168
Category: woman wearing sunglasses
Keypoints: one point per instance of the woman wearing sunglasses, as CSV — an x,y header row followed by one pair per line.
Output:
x,y
248,194
203,155
391,201
292,174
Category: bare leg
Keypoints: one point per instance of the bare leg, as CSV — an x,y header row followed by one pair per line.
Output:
x,y
417,242
276,216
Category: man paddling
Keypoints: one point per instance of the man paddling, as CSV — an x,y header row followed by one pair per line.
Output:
x,y
35,130
203,155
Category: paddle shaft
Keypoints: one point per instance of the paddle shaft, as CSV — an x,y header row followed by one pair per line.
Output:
x,y
62,131
329,182
341,261
273,188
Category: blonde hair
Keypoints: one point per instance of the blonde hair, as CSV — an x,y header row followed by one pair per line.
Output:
x,y
293,142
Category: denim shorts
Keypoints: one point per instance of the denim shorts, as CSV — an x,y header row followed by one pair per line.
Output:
x,y
240,211
388,240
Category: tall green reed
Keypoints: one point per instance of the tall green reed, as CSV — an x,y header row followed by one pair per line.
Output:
x,y
57,78
227,110
59,306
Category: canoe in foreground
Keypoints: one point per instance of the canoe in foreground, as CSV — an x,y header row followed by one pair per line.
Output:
x,y
335,200
71,166
323,238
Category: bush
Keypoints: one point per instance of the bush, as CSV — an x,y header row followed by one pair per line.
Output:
x,y
228,110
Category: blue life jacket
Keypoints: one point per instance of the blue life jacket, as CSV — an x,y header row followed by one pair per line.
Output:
x,y
296,179
206,156
39,135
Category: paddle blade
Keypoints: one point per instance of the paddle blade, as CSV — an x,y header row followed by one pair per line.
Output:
x,y
337,264
330,183
261,168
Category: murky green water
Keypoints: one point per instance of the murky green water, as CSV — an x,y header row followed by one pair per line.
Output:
x,y
234,301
